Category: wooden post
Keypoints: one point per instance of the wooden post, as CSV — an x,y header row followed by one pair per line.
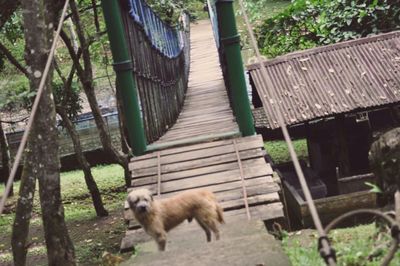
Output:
x,y
343,158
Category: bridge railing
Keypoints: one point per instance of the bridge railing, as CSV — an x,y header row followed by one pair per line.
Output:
x,y
160,56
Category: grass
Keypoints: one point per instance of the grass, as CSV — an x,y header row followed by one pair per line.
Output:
x,y
280,154
353,246
91,235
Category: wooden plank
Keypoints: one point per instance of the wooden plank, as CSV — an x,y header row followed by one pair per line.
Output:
x,y
194,140
270,186
214,113
213,120
195,147
194,164
210,179
197,154
201,180
252,191
260,212
148,179
251,201
202,128
197,133
209,112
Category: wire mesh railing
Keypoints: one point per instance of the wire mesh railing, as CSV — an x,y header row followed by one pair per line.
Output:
x,y
160,56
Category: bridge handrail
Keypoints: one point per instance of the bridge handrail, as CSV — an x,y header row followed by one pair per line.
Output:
x,y
165,38
160,56
212,11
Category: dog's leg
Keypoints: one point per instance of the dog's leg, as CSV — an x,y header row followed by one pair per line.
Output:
x,y
161,239
213,226
205,228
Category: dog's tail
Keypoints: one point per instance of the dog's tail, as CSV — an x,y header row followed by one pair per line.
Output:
x,y
220,213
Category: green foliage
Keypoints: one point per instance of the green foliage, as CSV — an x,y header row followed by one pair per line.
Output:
x,y
309,23
374,187
361,245
69,100
280,154
12,37
170,10
259,10
15,95
13,29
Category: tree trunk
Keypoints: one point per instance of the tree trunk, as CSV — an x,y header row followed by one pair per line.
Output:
x,y
73,34
90,182
5,157
41,159
24,209
86,76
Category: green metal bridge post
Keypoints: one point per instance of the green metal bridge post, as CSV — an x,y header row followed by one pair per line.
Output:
x,y
230,40
123,68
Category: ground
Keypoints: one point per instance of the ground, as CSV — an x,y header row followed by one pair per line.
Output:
x,y
360,245
92,236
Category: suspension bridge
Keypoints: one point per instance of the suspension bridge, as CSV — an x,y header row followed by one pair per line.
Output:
x,y
190,126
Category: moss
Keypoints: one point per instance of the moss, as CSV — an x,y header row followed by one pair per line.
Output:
x,y
279,152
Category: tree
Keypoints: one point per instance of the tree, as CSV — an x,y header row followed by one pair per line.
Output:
x,y
66,101
64,97
309,23
41,156
85,74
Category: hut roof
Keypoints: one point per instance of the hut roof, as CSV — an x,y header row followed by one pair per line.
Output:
x,y
340,78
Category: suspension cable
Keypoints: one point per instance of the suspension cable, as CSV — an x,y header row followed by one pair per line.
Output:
x,y
313,211
34,110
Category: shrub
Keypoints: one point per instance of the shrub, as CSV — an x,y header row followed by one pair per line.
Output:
x,y
309,23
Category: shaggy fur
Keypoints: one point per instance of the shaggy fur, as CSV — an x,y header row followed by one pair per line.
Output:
x,y
159,216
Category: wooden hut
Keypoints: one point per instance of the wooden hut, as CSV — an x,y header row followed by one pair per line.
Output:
x,y
339,97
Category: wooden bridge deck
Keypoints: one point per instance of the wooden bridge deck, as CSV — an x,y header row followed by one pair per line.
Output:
x,y
206,112
233,168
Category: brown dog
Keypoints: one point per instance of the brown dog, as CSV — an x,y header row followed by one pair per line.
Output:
x,y
159,216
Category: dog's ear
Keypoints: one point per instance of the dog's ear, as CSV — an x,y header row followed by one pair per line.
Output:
x,y
132,200
151,197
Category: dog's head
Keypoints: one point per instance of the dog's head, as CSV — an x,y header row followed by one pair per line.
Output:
x,y
140,201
